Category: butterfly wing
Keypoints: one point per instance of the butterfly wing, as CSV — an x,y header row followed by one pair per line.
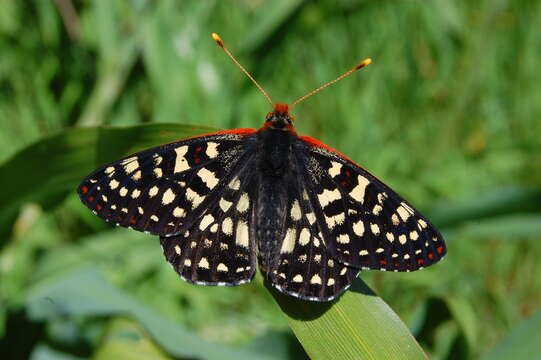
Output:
x,y
165,189
363,222
305,268
219,248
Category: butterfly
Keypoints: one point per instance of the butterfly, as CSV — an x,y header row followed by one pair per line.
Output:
x,y
227,203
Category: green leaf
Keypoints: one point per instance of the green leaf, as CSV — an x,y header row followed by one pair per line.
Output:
x,y
359,325
523,341
86,293
47,170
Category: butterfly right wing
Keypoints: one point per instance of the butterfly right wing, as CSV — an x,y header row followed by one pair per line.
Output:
x,y
164,189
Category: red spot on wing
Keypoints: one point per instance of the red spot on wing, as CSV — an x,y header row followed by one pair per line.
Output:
x,y
132,221
440,249
383,262
84,189
430,256
198,149
99,207
90,199
420,261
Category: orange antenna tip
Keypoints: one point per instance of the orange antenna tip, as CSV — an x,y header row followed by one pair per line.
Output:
x,y
218,39
365,62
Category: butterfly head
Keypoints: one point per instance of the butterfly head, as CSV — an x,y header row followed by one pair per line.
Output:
x,y
280,118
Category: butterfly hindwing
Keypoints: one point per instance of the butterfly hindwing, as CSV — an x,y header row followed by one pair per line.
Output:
x,y
366,224
305,267
219,247
160,189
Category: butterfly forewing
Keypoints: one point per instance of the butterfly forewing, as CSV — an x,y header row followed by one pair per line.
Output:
x,y
305,267
219,247
364,223
161,189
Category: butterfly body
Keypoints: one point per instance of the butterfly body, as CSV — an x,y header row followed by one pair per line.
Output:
x,y
223,203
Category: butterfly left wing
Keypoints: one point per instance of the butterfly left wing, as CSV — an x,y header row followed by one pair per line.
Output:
x,y
163,189
363,222
219,247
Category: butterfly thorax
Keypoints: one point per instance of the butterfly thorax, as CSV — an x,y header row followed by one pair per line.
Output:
x,y
273,169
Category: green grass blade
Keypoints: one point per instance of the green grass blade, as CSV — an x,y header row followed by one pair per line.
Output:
x,y
359,325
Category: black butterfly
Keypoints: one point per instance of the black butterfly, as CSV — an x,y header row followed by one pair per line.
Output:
x,y
224,202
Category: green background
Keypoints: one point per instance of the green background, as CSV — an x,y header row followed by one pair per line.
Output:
x,y
448,114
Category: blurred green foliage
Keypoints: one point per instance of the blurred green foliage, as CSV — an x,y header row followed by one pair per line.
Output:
x,y
448,115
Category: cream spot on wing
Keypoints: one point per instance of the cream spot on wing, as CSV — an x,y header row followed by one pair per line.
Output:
x,y
417,252
288,244
187,262
222,267
358,228
207,243
328,196
242,238
194,198
343,271
153,191
363,252
227,226
205,222
335,168
402,239
177,249
381,197
136,176
158,172
297,278
244,203
154,218
181,164
406,257
140,210
113,207
379,250
225,205
113,184
224,246
374,228
214,228
422,223
168,197
110,171
403,211
123,191
315,280
395,255
330,282
316,241
304,237
179,212
343,239
332,221
389,236
377,209
295,211
157,159
304,195
317,258
358,191
414,235
203,263
130,165
303,258
311,218
135,193
208,177
330,262
395,220
124,210
104,198
212,150
235,183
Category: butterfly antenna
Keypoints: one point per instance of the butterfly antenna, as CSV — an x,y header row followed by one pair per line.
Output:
x,y
358,67
220,42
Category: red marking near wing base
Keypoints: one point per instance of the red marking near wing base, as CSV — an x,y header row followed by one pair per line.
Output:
x,y
84,189
99,207
241,132
440,249
430,256
313,142
90,198
420,261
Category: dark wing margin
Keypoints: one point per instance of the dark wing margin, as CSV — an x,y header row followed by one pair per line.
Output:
x,y
364,223
162,189
219,247
305,268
